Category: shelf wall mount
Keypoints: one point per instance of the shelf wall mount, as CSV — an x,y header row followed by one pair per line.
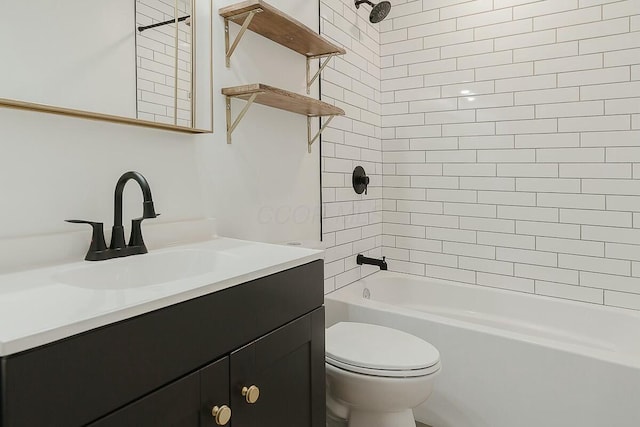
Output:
x,y
231,126
323,64
245,25
280,99
310,139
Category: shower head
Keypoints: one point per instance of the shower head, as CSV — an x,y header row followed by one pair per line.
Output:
x,y
378,12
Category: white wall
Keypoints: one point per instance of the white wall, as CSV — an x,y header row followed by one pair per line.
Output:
x,y
53,167
511,134
264,185
351,222
54,53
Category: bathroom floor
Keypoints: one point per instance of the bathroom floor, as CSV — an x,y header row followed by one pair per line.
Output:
x,y
335,423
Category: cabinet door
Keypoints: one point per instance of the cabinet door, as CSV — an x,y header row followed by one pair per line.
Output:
x,y
287,367
214,392
175,405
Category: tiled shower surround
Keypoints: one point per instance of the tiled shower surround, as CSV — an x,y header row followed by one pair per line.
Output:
x,y
511,145
351,223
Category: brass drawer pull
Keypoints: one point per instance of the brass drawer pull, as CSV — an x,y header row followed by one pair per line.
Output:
x,y
251,394
222,414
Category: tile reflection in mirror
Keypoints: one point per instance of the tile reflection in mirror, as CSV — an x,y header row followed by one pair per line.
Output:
x,y
164,61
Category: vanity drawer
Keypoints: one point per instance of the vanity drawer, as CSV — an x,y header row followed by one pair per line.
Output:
x,y
186,402
75,381
176,405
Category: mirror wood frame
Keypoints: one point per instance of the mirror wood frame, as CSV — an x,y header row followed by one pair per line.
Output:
x,y
70,112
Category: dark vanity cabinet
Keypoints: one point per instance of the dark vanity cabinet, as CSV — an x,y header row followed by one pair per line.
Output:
x,y
186,402
256,349
279,364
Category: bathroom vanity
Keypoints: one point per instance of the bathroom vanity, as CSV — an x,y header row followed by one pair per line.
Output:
x,y
256,347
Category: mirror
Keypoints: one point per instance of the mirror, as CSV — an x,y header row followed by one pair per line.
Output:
x,y
120,60
163,61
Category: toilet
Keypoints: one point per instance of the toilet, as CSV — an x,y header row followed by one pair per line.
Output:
x,y
377,375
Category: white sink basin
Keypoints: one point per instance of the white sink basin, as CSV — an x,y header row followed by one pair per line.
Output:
x,y
43,305
143,270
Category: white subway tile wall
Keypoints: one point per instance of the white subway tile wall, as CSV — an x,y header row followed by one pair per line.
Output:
x,y
155,49
502,140
511,144
352,223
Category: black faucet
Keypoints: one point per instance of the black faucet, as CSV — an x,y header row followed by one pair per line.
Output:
x,y
98,250
361,259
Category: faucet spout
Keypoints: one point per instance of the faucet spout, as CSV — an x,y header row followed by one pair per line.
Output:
x,y
382,263
117,234
148,210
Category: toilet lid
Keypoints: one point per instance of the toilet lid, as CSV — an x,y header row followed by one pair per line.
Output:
x,y
378,348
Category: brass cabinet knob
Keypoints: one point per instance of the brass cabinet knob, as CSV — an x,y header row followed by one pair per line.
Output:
x,y
222,414
251,394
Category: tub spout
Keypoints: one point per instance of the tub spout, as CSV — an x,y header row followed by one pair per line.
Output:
x,y
382,263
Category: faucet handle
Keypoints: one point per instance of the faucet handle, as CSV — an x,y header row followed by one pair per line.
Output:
x,y
97,239
82,221
135,239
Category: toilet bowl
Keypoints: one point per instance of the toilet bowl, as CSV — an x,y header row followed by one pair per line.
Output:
x,y
377,375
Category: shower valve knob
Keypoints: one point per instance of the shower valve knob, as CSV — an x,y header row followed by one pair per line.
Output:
x,y
360,180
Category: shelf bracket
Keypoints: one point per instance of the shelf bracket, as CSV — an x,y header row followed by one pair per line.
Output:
x,y
229,50
232,126
317,135
310,79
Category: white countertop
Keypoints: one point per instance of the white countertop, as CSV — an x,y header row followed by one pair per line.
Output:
x,y
37,308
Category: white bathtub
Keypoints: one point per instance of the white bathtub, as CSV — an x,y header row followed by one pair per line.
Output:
x,y
509,359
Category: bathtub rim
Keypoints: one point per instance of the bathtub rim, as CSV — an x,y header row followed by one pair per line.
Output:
x,y
348,295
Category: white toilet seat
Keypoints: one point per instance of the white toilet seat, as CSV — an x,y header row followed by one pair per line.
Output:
x,y
411,373
379,351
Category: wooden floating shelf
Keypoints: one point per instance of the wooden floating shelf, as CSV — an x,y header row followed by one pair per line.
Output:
x,y
283,100
280,99
266,20
280,27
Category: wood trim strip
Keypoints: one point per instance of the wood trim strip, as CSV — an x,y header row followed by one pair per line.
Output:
x,y
29,106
